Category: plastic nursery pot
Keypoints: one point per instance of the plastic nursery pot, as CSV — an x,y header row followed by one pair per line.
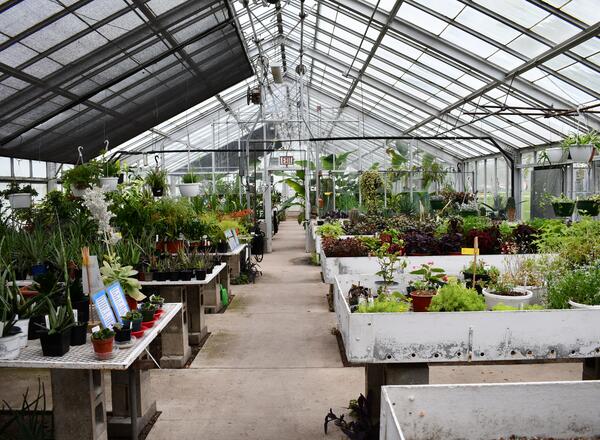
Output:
x,y
79,334
20,200
222,247
147,315
582,153
572,304
109,183
134,325
563,209
588,207
160,276
57,344
173,276
186,275
34,327
103,347
123,335
200,274
83,309
421,299
10,347
157,192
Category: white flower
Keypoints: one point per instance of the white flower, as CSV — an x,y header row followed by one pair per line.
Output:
x,y
96,203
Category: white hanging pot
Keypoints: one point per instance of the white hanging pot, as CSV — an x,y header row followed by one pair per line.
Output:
x,y
491,299
20,200
10,347
109,183
556,155
581,153
77,192
575,305
189,189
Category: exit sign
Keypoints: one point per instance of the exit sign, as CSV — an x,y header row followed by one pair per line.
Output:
x,y
286,160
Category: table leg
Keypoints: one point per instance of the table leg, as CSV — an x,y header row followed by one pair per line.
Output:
x,y
212,296
591,369
196,320
78,405
378,375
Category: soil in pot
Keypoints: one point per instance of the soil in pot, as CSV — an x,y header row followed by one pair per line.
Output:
x,y
421,299
563,209
57,344
200,274
515,298
79,334
123,335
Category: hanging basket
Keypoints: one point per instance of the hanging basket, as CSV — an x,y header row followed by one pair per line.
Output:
x,y
189,189
588,207
556,155
563,209
109,183
20,200
582,153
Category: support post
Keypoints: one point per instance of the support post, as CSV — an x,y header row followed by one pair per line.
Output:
x,y
266,201
174,338
516,184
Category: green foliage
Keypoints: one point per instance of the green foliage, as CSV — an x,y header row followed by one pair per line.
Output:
x,y
59,318
581,285
110,168
190,178
501,307
148,307
16,188
132,315
432,171
333,229
370,185
327,162
386,303
103,335
157,179
506,231
473,222
113,271
314,259
82,176
589,138
576,245
455,297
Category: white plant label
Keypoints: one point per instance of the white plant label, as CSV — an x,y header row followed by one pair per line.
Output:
x,y
75,311
47,321
95,329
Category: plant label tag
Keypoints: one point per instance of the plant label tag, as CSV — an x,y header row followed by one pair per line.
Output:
x,y
47,321
1,328
469,251
95,329
75,315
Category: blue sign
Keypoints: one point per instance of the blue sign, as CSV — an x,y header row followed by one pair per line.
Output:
x,y
116,295
104,309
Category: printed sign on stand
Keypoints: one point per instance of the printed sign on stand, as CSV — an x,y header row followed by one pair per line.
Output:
x,y
104,309
237,239
117,300
230,237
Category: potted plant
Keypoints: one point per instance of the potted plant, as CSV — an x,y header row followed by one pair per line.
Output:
x,y
436,201
102,341
578,288
185,273
455,297
423,290
528,273
113,271
109,175
20,197
81,177
157,181
388,262
506,293
78,333
554,155
468,209
148,310
162,271
589,205
157,300
581,147
133,320
480,272
122,333
511,209
56,337
10,333
190,186
563,206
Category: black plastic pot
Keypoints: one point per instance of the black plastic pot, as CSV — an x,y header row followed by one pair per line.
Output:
x,y
135,326
563,209
469,281
173,276
35,330
161,276
222,247
148,315
320,222
83,309
588,207
157,192
123,335
79,334
200,274
186,275
57,344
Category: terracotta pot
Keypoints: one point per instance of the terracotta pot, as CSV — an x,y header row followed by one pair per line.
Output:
x,y
173,246
103,346
132,303
421,299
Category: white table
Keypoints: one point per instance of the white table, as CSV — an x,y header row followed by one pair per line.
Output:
x,y
233,258
209,278
79,399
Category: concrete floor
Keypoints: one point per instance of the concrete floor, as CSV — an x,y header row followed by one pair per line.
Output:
x,y
271,368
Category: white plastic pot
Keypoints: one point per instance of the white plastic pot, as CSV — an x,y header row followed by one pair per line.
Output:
x,y
581,153
10,347
575,305
109,183
491,299
556,155
23,324
77,192
20,200
189,189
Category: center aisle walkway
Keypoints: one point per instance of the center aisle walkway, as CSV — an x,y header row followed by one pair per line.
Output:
x,y
271,368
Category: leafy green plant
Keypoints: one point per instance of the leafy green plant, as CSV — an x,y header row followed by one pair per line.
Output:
x,y
112,271
148,306
575,139
102,335
157,179
16,188
59,319
581,285
110,168
454,297
394,302
190,178
82,176
132,315
333,229
30,422
501,307
432,277
370,184
157,299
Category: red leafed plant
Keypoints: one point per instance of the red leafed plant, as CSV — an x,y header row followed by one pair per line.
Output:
x,y
344,247
489,239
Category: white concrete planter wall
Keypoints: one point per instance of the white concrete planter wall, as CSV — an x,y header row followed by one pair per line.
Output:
x,y
489,411
463,336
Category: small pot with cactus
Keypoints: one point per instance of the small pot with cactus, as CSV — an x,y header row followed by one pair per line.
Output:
x,y
133,320
190,186
103,341
148,310
122,333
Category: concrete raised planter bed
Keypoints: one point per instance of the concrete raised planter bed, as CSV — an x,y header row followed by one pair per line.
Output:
x,y
463,336
490,411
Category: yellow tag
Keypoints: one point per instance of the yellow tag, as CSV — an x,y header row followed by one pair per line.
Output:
x,y
469,251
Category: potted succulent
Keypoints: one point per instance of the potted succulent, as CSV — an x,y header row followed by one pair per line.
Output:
x,y
190,186
113,271
56,337
157,300
102,341
589,205
81,177
581,147
109,175
133,320
122,333
148,310
157,181
19,197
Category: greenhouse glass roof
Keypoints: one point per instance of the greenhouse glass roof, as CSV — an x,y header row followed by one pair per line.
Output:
x,y
525,72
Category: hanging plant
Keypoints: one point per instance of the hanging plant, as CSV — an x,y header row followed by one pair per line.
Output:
x,y
370,184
